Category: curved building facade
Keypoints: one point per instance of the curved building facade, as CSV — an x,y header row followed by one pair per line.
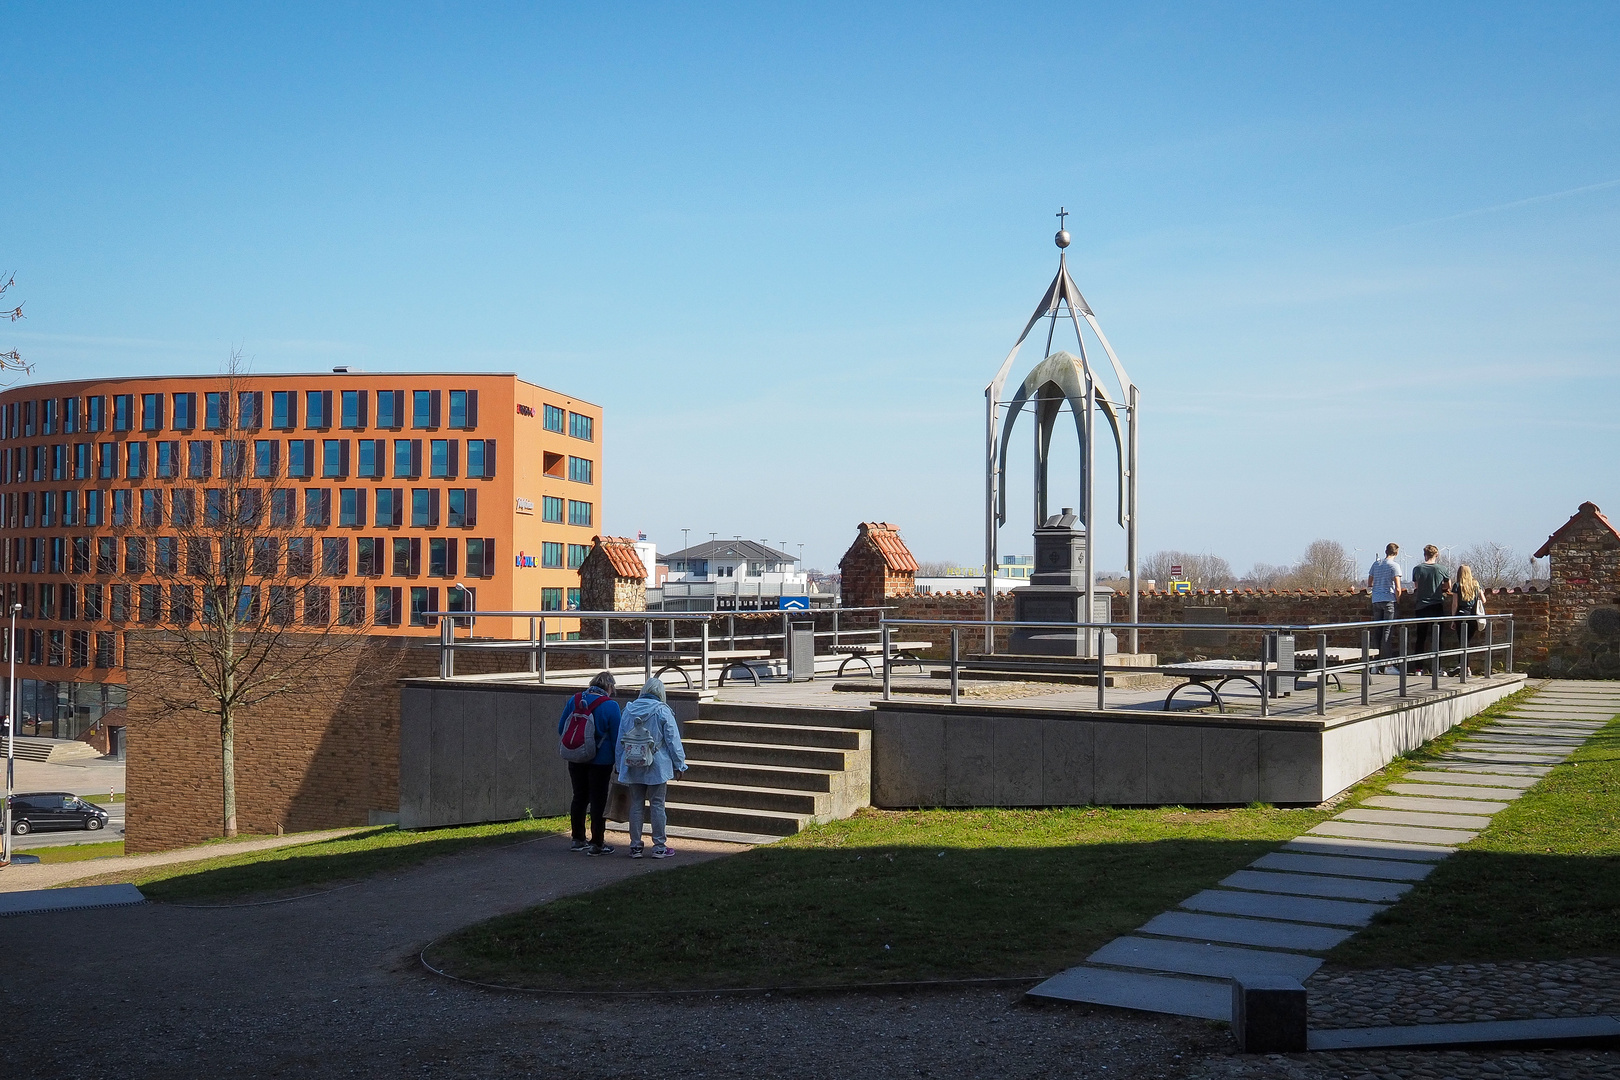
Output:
x,y
402,485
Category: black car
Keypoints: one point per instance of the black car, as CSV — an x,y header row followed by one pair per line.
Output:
x,y
54,810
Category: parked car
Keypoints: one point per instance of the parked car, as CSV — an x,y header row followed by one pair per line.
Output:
x,y
54,810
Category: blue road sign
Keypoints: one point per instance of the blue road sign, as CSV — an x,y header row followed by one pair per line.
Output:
x,y
793,603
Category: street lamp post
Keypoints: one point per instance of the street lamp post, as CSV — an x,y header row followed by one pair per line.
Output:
x,y
11,734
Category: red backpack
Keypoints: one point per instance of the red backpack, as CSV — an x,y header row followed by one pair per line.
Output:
x,y
579,738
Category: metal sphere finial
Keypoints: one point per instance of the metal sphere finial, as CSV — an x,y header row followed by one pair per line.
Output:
x,y
1062,238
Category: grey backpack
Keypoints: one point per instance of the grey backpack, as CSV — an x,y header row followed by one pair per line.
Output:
x,y
640,749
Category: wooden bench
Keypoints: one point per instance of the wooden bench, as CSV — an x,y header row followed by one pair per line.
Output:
x,y
866,650
726,659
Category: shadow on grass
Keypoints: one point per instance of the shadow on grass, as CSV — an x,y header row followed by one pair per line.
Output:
x,y
326,863
802,917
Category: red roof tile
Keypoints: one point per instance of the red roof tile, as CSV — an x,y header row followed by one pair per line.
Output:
x,y
1587,510
887,538
621,553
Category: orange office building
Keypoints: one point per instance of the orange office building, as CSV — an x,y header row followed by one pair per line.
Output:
x,y
410,483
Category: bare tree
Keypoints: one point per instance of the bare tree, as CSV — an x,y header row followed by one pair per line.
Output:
x,y
936,568
245,575
1496,566
1204,571
12,361
1268,576
1325,565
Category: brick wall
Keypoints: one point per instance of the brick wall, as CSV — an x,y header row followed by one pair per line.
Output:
x,y
1584,564
867,575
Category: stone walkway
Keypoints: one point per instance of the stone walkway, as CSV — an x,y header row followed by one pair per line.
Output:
x,y
1288,907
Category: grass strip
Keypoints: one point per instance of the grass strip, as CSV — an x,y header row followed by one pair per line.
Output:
x,y
892,896
1541,882
300,866
65,853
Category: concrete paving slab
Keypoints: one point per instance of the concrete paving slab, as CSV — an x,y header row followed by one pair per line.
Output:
x,y
1558,1032
1410,817
35,901
1306,909
1337,888
1366,831
1365,849
1505,768
1188,958
1480,757
1177,996
1494,738
1475,778
1506,744
1596,716
1456,791
1343,866
1451,805
1267,933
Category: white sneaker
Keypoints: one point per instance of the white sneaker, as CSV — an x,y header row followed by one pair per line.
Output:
x,y
662,852
1392,671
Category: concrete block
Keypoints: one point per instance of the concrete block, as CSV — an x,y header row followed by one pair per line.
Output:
x,y
478,750
1174,764
908,758
1192,958
1230,770
446,783
511,755
1268,1014
1290,767
1277,906
970,760
1265,933
1119,764
1138,990
1338,888
1067,764
415,757
1018,745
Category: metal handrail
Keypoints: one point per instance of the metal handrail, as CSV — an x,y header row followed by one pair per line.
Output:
x,y
1270,632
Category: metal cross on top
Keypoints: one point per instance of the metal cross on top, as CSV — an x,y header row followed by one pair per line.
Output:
x,y
1062,216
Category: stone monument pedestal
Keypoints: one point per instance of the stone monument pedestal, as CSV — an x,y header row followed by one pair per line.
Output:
x,y
1056,593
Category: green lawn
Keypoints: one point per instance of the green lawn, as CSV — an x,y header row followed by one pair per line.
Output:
x,y
321,864
1542,882
78,852
104,800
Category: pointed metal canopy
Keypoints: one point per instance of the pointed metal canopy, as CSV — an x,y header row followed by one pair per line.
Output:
x,y
1061,377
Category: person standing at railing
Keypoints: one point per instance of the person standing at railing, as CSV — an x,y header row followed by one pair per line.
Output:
x,y
590,720
1430,584
650,756
1470,606
1384,579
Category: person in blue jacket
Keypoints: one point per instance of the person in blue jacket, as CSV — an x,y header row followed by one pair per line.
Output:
x,y
591,778
650,755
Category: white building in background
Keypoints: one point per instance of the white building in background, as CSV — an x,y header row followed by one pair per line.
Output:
x,y
1011,572
720,575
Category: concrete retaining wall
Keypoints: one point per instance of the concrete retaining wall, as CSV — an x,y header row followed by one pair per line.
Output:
x,y
937,754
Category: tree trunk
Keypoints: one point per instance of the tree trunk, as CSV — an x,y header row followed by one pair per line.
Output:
x,y
227,760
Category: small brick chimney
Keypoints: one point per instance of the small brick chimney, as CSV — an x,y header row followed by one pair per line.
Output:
x,y
877,565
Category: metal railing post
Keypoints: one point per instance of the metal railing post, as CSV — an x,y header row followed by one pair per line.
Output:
x,y
705,650
1405,641
1490,647
1366,666
446,656
1509,668
956,636
1462,643
835,628
1268,642
731,631
1102,671
542,650
1321,678
646,655
885,640
1434,668
534,654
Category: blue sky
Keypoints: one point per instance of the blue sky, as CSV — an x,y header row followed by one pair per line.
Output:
x,y
1362,263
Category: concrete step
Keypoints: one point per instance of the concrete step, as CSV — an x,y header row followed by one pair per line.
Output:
x,y
841,717
778,800
29,748
735,819
830,738
747,753
1208,999
768,776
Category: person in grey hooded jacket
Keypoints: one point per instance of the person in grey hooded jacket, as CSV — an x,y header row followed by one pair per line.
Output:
x,y
649,718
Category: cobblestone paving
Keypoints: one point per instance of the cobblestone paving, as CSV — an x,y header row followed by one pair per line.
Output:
x,y
1427,1065
1460,993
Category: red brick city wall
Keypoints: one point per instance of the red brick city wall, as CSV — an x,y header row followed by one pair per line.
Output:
x,y
1585,568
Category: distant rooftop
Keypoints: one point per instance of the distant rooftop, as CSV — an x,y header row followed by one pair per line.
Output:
x,y
738,549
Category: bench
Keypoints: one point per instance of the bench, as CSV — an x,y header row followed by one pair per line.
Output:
x,y
866,650
1201,673
726,659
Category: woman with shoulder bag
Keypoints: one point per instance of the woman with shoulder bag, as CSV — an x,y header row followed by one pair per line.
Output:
x,y
1470,598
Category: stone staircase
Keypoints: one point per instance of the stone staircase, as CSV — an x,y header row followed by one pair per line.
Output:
x,y
55,751
757,773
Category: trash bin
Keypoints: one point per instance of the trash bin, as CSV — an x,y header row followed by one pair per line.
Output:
x,y
1280,656
801,651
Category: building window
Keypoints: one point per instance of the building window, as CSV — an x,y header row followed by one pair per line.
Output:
x,y
463,508
551,509
407,556
81,461
424,507
317,508
335,556
372,453
424,408
81,555
283,508
106,649
135,460
135,555
284,409
301,458
581,426
166,555
214,507
463,408
123,413
283,602
317,605
182,604
334,458
79,648
151,603
107,461
70,420
442,455
59,465
551,554
407,458
70,507
354,409
555,418
233,458
120,604
352,506
249,410
200,459
368,556
300,556
579,513
423,600
390,507
167,460
481,458
151,412
352,605
385,606
317,408
390,410
47,412
185,412
579,470
476,564
576,555
95,414
151,508
551,599
121,503
441,557
216,411
265,453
